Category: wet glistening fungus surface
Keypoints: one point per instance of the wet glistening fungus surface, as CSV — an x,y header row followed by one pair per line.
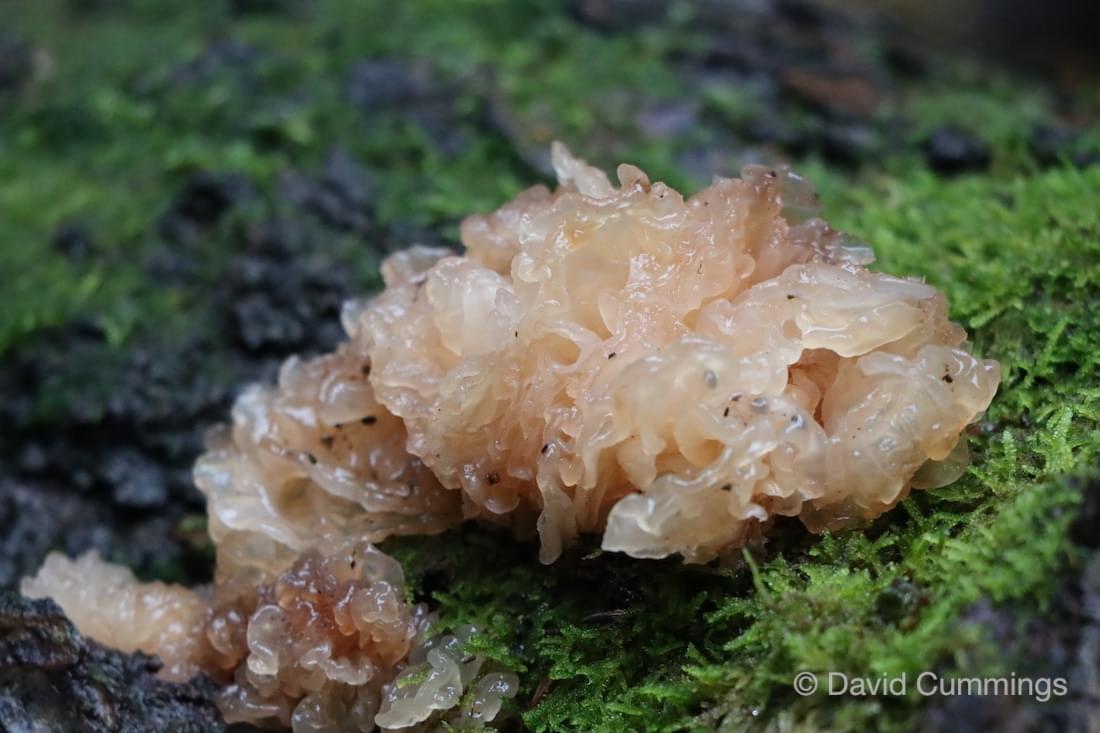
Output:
x,y
672,373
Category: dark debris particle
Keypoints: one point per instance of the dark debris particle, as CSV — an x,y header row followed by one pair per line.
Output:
x,y
369,420
950,150
493,478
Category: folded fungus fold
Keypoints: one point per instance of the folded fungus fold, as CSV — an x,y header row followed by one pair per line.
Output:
x,y
674,373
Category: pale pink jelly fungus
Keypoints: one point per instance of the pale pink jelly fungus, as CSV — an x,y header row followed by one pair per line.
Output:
x,y
674,373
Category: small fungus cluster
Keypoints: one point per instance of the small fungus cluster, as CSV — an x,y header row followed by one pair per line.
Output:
x,y
674,373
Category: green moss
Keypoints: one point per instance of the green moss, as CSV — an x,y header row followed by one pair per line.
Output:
x,y
601,642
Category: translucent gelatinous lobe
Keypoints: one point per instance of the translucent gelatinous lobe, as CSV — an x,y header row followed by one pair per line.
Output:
x,y
107,603
314,462
316,649
672,372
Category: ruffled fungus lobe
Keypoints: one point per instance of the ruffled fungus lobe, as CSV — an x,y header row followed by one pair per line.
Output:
x,y
107,603
329,646
314,462
675,373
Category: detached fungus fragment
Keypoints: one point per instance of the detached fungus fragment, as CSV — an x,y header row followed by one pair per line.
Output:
x,y
672,372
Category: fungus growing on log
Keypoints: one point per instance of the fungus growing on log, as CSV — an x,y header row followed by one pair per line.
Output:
x,y
671,372
674,373
328,646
